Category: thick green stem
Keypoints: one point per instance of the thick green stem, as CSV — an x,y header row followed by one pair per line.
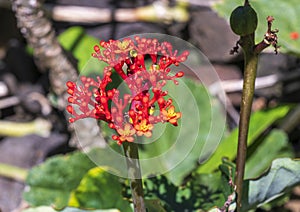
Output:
x,y
250,66
134,174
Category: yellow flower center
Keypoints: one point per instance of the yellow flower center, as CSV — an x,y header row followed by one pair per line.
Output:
x,y
123,45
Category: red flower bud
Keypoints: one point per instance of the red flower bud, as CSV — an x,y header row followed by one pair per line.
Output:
x,y
70,109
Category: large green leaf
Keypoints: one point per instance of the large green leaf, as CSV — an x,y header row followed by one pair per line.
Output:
x,y
52,182
68,209
275,145
99,190
259,122
286,14
282,176
185,143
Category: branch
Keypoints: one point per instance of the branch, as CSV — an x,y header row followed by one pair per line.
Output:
x,y
40,35
270,38
156,12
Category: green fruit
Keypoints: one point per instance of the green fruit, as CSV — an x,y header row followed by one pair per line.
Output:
x,y
243,20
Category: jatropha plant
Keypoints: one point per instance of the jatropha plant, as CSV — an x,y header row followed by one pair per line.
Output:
x,y
132,113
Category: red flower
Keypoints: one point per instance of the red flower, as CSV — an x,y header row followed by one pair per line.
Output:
x,y
294,35
132,113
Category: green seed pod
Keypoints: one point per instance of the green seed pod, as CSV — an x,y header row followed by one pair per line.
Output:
x,y
243,20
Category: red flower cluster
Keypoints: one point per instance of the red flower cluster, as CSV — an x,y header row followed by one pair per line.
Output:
x,y
132,113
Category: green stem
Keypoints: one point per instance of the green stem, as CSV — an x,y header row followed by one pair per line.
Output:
x,y
250,68
134,174
13,172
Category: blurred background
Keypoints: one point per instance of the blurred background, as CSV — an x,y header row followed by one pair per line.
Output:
x,y
46,37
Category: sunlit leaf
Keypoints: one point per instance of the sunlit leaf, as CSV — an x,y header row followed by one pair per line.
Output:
x,y
99,190
80,44
259,122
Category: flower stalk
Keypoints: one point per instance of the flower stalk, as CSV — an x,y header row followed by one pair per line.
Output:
x,y
134,175
250,69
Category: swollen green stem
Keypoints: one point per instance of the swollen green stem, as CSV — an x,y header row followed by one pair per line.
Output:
x,y
134,174
250,69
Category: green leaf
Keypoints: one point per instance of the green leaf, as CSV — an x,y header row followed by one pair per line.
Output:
x,y
52,182
285,23
81,46
99,190
282,176
275,145
200,113
259,122
68,209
